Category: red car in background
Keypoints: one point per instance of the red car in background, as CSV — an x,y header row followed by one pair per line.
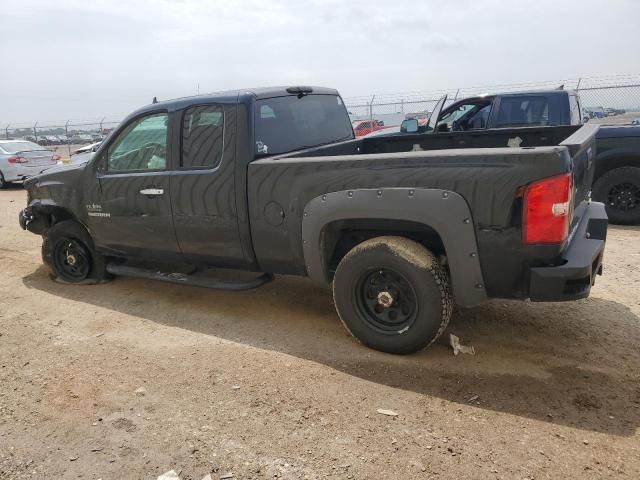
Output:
x,y
365,127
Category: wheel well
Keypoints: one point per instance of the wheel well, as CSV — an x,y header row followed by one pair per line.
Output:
x,y
608,164
48,215
341,236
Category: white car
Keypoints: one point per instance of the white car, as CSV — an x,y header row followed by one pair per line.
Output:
x,y
21,159
84,154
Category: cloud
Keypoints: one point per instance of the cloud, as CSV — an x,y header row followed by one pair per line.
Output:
x,y
76,59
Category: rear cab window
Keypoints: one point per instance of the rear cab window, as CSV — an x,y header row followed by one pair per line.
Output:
x,y
288,123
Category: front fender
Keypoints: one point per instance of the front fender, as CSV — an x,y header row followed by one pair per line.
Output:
x,y
446,212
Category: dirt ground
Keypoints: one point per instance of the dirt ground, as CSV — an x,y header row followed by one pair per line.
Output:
x,y
133,378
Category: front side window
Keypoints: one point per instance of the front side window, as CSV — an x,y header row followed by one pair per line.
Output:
x,y
202,136
468,116
142,145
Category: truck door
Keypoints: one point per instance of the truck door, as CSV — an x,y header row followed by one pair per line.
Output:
x,y
203,187
129,210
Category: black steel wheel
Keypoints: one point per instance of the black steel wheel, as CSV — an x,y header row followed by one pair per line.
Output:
x,y
67,249
72,260
619,190
386,300
392,294
624,196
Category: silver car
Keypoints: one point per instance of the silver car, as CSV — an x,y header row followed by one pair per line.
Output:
x,y
21,159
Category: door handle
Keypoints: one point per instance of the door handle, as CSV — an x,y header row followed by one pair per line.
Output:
x,y
152,191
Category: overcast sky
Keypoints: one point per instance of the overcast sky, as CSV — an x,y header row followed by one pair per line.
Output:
x,y
84,59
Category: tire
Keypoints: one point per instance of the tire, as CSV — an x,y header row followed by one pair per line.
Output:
x,y
619,190
69,241
392,274
3,184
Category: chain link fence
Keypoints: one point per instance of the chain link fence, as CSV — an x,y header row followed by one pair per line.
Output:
x,y
607,100
62,136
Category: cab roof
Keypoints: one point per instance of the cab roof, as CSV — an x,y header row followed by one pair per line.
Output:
x,y
237,96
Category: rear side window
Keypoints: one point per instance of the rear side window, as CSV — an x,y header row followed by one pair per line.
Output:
x,y
523,111
202,136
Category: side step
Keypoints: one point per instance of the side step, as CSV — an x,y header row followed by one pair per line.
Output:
x,y
195,279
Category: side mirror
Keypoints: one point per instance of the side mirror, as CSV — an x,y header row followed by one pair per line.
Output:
x,y
409,126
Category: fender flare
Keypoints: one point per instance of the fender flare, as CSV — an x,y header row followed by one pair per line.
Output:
x,y
446,212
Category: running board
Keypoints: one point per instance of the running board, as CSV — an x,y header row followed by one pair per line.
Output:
x,y
195,280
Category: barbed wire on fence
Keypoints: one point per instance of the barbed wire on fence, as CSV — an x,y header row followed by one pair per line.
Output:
x,y
621,92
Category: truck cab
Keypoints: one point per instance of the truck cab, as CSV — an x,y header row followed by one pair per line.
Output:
x,y
511,110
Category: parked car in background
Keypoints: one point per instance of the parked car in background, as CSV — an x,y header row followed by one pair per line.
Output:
x,y
364,127
20,159
84,154
421,117
635,121
596,112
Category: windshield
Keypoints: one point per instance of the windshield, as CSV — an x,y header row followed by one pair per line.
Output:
x,y
15,147
285,124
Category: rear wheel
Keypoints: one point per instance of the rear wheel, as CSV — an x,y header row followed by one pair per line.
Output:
x,y
67,249
619,190
3,183
392,295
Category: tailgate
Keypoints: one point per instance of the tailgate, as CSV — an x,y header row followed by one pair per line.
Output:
x,y
582,148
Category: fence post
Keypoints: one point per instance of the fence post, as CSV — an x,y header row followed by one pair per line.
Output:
x,y
66,134
371,109
35,131
402,105
6,131
102,121
456,97
578,84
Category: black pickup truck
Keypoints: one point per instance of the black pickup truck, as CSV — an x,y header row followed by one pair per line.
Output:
x,y
273,180
616,180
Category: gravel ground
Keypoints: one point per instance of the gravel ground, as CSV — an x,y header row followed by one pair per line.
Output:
x,y
132,378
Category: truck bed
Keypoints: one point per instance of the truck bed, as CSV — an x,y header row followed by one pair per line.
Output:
x,y
481,168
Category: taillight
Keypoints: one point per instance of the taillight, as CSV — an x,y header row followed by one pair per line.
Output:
x,y
16,159
547,210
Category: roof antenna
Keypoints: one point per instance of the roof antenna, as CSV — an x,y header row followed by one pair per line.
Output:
x,y
155,100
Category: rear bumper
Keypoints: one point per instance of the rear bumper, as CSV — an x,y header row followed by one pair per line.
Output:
x,y
582,261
